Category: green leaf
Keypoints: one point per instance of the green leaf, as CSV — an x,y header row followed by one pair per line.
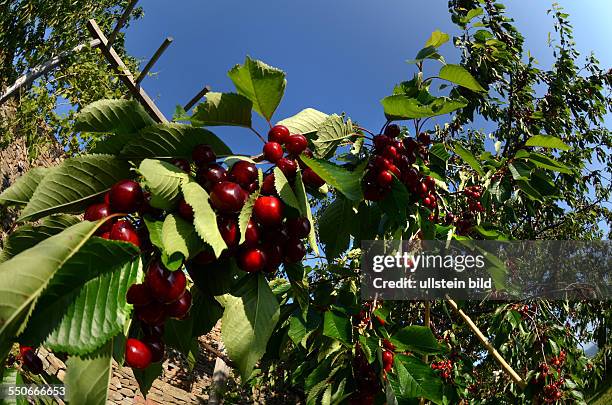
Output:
x,y
330,134
519,170
223,109
171,140
345,181
528,189
118,116
248,321
205,312
400,107
298,279
204,217
147,376
468,158
22,190
305,122
429,52
179,237
473,13
70,186
27,236
111,144
548,163
459,75
11,377
284,190
437,39
19,290
337,325
394,204
333,232
87,379
439,152
417,339
547,141
155,232
245,215
262,84
164,181
302,198
412,378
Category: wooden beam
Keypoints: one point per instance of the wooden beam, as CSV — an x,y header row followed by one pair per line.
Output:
x,y
124,73
197,98
154,59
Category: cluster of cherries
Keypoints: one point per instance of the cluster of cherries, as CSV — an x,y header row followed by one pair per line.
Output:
x,y
552,391
474,193
368,384
30,360
445,367
395,157
387,355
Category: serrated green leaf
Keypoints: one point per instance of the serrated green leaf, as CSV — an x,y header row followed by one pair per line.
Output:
x,y
400,107
305,122
333,232
468,158
330,134
412,378
164,181
171,140
302,198
249,318
459,75
437,39
343,180
87,379
548,163
337,325
284,190
69,187
111,144
546,141
179,237
299,285
417,339
205,312
205,219
146,377
519,170
118,116
262,84
245,215
155,232
24,186
223,109
528,189
438,150
394,203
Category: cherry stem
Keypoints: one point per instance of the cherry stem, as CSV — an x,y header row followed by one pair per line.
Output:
x,y
366,130
258,134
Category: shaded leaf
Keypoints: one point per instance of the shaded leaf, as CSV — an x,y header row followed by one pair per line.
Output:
x,y
468,158
118,116
333,232
459,75
23,188
179,237
164,181
400,107
223,109
343,180
284,190
87,379
330,134
546,141
337,325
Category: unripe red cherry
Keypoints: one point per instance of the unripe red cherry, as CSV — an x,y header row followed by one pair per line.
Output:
x,y
138,295
298,227
252,234
156,346
243,173
268,211
296,144
252,260
182,164
125,196
228,227
179,308
96,212
384,178
312,179
268,187
387,358
153,313
392,130
272,151
294,251
203,155
185,211
165,286
287,166
124,231
228,197
279,134
32,362
137,354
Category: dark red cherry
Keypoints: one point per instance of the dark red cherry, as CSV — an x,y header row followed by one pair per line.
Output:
x,y
431,183
138,295
274,256
166,286
228,227
424,138
179,308
228,197
182,164
24,349
294,251
422,189
32,362
298,227
253,187
124,231
296,144
384,178
203,155
156,346
392,130
268,188
279,134
185,211
153,313
205,257
268,211
96,212
252,260
137,354
387,358
380,141
312,179
152,330
390,153
287,166
272,151
125,197
243,173
252,234
278,235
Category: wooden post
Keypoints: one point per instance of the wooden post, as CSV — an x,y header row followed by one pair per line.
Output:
x,y
220,375
154,59
124,74
197,98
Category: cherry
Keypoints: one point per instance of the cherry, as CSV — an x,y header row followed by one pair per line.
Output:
x,y
298,227
228,197
382,163
185,211
124,231
205,257
252,234
384,178
422,189
228,227
203,155
274,256
388,345
279,134
156,347
253,187
125,196
152,330
268,210
294,251
268,188
151,314
165,286
380,141
278,235
179,309
387,358
392,131
138,295
32,362
96,212
107,198
210,175
243,173
137,354
296,144
252,260
312,179
105,235
182,164
424,138
24,349
390,153
431,183
287,166
372,192
272,151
